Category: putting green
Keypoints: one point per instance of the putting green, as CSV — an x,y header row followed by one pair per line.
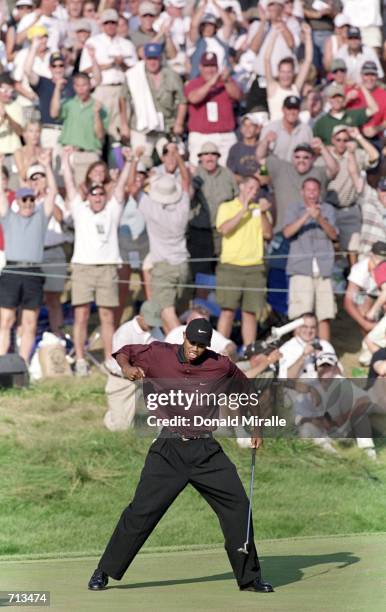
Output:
x,y
309,574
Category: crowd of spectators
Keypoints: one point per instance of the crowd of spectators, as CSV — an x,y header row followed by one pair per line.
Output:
x,y
227,144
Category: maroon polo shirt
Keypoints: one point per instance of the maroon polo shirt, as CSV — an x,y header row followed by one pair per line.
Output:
x,y
198,117
167,370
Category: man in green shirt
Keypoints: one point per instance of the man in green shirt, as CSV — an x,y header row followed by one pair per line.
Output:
x,y
84,123
338,114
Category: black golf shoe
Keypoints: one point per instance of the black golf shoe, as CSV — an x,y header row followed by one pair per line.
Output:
x,y
258,586
98,581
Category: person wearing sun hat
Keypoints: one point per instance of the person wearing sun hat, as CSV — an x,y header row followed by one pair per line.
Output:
x,y
166,210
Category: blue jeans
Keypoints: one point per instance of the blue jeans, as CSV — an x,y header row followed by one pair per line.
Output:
x,y
318,38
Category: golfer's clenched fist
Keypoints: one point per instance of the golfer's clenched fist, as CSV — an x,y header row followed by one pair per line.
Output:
x,y
133,373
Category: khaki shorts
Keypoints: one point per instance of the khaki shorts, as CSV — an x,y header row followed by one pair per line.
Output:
x,y
245,278
307,294
95,283
165,279
378,333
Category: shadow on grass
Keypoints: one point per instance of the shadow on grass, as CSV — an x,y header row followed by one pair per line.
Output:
x,y
279,570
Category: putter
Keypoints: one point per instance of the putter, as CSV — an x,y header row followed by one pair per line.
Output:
x,y
244,549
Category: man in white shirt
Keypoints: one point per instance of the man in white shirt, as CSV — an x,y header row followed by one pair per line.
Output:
x,y
299,354
219,343
355,54
121,392
368,17
114,55
43,15
96,256
298,360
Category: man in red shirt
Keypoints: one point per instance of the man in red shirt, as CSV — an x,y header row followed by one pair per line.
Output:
x,y
211,97
183,454
376,122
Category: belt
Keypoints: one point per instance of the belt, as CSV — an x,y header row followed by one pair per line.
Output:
x,y
24,264
174,434
343,207
54,246
51,126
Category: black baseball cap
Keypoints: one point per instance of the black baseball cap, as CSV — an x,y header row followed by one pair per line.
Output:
x,y
369,67
379,248
304,146
354,32
56,56
95,187
382,184
292,102
199,330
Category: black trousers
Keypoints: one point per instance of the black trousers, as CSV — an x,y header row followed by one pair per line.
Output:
x,y
170,465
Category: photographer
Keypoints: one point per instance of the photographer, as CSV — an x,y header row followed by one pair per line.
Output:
x,y
299,354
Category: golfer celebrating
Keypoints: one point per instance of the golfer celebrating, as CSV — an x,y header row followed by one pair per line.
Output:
x,y
183,455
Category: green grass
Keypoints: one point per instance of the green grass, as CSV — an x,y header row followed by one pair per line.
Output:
x,y
64,480
331,574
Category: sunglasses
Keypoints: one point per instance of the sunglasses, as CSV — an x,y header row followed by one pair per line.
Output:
x,y
56,65
339,70
342,139
303,157
110,22
28,199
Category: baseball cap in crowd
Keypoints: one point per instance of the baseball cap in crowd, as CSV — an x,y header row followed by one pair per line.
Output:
x,y
292,102
165,189
382,184
258,118
369,68
199,330
35,169
175,3
304,146
109,15
24,3
338,64
353,32
334,90
326,359
379,248
151,312
56,56
147,8
339,128
25,192
6,79
36,31
209,147
209,59
153,50
341,20
208,18
82,25
95,187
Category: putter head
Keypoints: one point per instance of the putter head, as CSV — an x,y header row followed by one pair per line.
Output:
x,y
243,549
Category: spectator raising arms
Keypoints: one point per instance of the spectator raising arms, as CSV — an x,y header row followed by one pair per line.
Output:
x,y
96,256
21,282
